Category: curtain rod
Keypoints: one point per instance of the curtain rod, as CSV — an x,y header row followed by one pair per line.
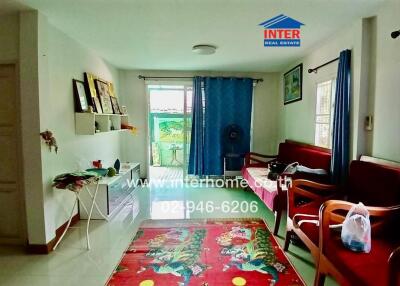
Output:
x,y
325,64
185,77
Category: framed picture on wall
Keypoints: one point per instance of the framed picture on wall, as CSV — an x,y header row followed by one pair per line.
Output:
x,y
293,84
81,101
104,96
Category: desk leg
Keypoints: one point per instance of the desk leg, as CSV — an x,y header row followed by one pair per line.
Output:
x,y
90,215
68,224
81,204
96,205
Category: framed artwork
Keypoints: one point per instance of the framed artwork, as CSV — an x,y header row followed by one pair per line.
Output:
x,y
293,84
89,80
104,96
97,105
115,105
81,101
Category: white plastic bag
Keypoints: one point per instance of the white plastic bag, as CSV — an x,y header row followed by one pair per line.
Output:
x,y
356,229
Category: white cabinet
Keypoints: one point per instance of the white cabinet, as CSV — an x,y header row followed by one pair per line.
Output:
x,y
114,192
85,123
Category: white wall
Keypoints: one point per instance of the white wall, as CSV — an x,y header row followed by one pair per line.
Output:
x,y
47,79
67,59
386,100
264,122
30,119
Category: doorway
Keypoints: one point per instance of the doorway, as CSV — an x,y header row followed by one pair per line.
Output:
x,y
12,212
170,116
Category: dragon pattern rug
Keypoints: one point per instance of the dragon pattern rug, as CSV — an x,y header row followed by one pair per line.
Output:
x,y
205,253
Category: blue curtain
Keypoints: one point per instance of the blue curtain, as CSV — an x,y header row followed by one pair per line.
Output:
x,y
196,155
227,101
341,120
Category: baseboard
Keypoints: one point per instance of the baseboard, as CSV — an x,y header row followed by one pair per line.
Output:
x,y
47,248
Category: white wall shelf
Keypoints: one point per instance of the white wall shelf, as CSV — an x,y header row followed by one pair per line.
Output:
x,y
85,123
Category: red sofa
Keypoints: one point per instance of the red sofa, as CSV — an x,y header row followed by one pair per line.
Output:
x,y
378,187
271,193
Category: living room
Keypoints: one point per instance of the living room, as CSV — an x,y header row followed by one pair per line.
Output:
x,y
138,136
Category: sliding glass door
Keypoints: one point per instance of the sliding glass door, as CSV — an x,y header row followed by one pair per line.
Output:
x,y
169,116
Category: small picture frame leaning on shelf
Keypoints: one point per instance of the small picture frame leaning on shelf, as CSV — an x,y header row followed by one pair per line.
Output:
x,y
124,110
104,95
91,91
97,105
81,101
115,105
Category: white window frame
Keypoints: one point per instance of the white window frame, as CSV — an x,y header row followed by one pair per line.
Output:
x,y
331,79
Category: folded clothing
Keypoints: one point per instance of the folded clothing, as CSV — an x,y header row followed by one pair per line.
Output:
x,y
75,181
304,169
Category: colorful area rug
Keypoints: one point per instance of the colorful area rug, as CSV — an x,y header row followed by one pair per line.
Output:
x,y
205,253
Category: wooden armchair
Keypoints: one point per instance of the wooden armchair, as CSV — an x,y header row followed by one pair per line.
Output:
x,y
304,200
379,267
258,159
394,266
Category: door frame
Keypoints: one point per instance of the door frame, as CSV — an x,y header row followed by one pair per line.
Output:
x,y
185,84
23,235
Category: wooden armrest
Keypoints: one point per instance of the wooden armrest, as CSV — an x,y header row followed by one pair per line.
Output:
x,y
319,193
394,267
261,155
255,157
317,186
335,205
296,189
328,215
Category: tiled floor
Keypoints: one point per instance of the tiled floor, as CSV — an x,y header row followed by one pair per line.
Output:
x,y
166,173
72,264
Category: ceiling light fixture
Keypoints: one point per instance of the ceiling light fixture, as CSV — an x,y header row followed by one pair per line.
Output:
x,y
204,49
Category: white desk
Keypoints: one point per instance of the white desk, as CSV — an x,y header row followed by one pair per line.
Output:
x,y
113,194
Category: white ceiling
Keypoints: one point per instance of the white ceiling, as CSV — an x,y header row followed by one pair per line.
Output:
x,y
159,34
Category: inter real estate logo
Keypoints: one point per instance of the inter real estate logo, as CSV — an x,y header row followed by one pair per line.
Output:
x,y
281,31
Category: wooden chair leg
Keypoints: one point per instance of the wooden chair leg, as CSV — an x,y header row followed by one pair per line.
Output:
x,y
287,240
278,216
319,278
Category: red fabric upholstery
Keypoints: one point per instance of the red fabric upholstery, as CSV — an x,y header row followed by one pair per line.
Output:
x,y
306,156
373,184
309,229
361,268
290,152
269,198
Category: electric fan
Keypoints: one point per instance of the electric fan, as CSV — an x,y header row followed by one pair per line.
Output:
x,y
233,148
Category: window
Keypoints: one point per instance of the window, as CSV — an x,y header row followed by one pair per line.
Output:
x,y
324,113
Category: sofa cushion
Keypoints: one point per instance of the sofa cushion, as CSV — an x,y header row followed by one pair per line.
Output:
x,y
306,156
361,268
373,184
309,229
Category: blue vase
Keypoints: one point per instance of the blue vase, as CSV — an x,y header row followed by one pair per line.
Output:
x,y
117,165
